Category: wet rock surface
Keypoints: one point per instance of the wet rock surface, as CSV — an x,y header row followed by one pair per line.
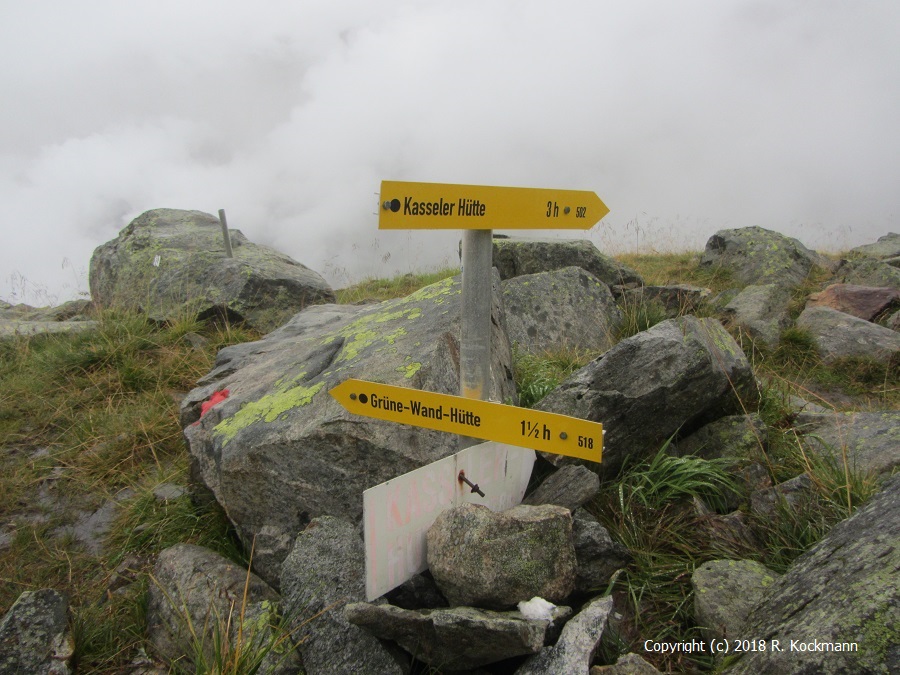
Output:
x,y
495,560
515,256
839,335
280,434
197,596
679,374
842,591
570,486
167,262
325,571
457,638
34,635
577,645
863,302
567,308
725,591
754,255
762,311
869,440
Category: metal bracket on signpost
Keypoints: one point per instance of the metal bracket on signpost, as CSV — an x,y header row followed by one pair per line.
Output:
x,y
475,319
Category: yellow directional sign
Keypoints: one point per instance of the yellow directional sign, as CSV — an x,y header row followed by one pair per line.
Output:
x,y
547,432
427,206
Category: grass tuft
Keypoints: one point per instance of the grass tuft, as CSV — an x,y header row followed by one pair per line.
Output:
x,y
649,509
538,374
83,416
638,316
377,290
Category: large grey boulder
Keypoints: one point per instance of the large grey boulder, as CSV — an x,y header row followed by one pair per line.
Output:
x,y
169,262
733,436
515,256
724,593
34,635
565,308
324,572
887,246
869,440
840,335
459,638
678,375
280,450
577,645
837,609
758,256
197,595
570,486
869,272
496,560
762,311
863,302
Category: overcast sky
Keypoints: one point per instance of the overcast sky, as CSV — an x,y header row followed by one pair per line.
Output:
x,y
684,117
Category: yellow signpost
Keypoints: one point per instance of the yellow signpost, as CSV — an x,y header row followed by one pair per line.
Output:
x,y
547,432
406,206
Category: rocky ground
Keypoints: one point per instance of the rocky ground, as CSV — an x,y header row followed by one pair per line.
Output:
x,y
289,465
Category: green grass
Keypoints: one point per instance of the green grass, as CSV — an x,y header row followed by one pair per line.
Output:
x,y
666,479
538,374
852,383
640,315
664,269
649,510
370,290
83,416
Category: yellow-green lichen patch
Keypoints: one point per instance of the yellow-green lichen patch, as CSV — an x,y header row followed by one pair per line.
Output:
x,y
366,332
356,342
720,338
880,633
410,369
266,409
284,383
437,292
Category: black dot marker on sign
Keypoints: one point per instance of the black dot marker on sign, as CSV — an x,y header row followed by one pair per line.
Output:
x,y
363,399
395,205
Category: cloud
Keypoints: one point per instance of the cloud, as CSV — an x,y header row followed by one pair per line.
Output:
x,y
684,117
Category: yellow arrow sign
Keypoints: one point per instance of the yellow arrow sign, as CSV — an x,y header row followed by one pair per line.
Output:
x,y
547,432
427,206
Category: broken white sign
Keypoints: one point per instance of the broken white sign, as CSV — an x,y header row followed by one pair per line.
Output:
x,y
398,513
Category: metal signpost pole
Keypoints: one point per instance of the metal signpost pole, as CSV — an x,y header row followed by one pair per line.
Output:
x,y
475,318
